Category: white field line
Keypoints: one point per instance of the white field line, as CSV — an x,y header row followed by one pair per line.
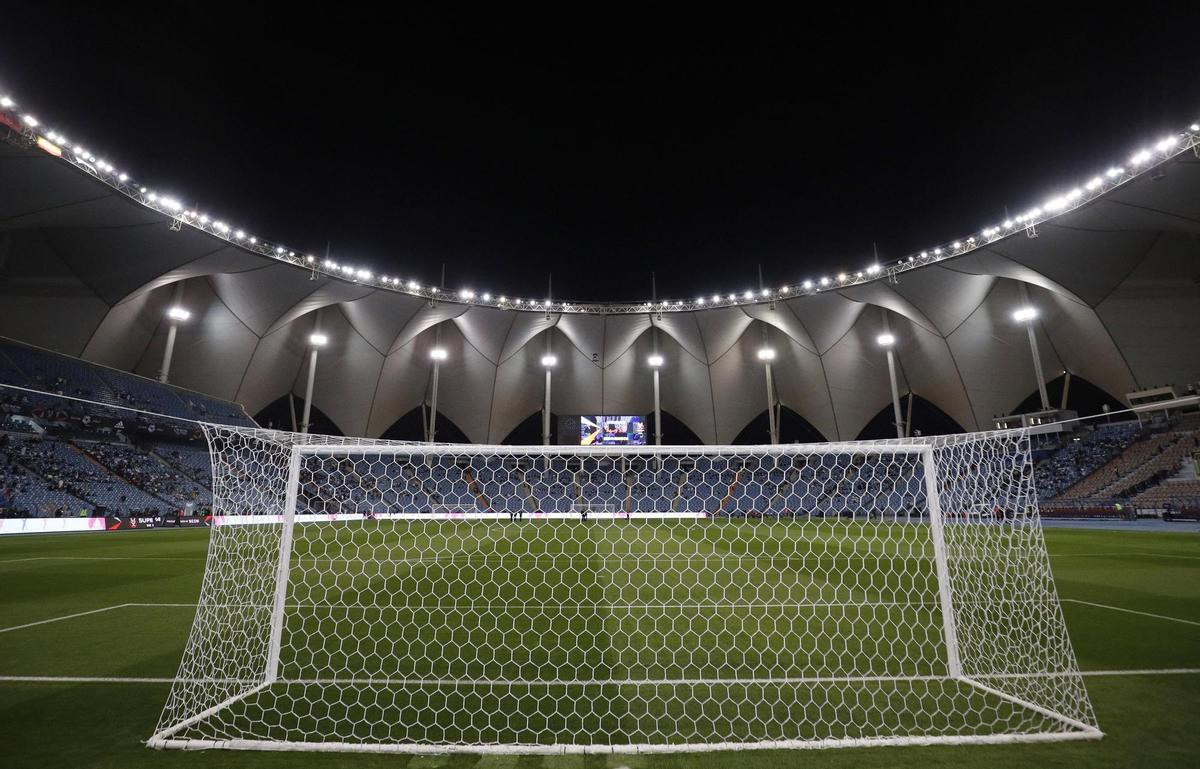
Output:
x,y
451,682
580,557
60,619
92,611
1115,555
103,558
1131,611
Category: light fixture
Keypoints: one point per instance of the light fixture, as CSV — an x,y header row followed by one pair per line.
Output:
x,y
655,360
1025,314
549,361
318,340
885,340
438,354
178,313
766,354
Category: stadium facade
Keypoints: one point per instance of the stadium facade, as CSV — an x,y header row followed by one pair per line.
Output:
x,y
88,270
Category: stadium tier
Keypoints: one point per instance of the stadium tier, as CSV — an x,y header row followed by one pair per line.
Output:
x,y
74,440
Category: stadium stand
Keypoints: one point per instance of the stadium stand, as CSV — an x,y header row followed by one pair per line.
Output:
x,y
1081,456
63,457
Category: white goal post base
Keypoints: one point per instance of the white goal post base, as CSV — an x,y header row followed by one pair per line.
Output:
x,y
1090,733
382,597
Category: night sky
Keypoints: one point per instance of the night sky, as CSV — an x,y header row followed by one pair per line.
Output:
x,y
603,149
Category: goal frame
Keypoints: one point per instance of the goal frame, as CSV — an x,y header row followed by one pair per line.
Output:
x,y
925,450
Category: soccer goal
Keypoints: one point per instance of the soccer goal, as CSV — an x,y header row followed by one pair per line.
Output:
x,y
375,596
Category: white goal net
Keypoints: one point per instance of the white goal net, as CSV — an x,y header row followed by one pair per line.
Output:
x,y
379,596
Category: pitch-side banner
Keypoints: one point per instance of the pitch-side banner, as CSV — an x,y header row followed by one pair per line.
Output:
x,y
49,525
452,515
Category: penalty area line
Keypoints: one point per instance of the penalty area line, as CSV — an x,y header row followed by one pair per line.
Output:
x,y
94,611
1131,611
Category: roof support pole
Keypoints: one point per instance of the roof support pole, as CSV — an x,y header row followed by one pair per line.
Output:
x,y
546,412
772,421
1037,368
308,389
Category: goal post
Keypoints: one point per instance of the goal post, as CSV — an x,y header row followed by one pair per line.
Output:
x,y
382,596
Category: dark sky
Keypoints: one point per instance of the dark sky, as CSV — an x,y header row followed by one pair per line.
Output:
x,y
601,149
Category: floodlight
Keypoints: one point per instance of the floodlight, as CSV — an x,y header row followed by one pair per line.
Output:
x,y
655,360
318,340
438,354
1025,314
885,340
766,354
178,313
549,361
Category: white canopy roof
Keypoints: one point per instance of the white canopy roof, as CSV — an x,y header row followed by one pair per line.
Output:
x,y
86,271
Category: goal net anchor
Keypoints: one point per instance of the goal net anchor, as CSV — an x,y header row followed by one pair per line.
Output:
x,y
370,596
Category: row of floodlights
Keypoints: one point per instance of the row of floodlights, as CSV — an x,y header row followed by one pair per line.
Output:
x,y
55,143
1024,314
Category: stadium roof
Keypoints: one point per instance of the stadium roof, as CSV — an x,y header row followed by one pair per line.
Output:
x,y
89,266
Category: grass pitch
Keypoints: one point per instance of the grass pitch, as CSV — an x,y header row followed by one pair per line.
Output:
x,y
121,606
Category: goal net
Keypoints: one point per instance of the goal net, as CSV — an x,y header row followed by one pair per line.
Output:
x,y
379,596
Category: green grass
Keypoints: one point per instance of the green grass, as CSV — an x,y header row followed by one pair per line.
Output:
x,y
1148,719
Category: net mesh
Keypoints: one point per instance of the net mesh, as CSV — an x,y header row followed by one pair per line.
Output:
x,y
373,595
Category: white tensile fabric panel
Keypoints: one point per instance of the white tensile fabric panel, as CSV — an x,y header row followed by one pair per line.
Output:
x,y
620,332
116,262
212,349
380,315
1153,315
629,380
262,296
585,332
685,330
1168,200
465,382
945,296
525,327
486,328
685,390
122,337
44,303
225,261
856,368
739,384
801,385
993,262
781,317
721,329
40,191
402,386
280,360
519,389
926,365
520,385
325,293
1089,264
578,381
347,374
1082,343
992,354
882,295
827,316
